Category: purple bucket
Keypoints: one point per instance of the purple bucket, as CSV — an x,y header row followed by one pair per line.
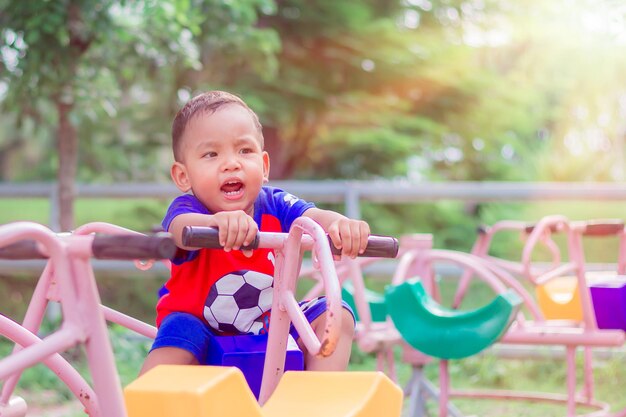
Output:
x,y
609,303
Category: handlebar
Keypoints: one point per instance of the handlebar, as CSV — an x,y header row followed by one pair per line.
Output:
x,y
208,237
26,249
600,227
160,246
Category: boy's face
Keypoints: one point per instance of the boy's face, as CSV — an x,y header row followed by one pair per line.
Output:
x,y
222,160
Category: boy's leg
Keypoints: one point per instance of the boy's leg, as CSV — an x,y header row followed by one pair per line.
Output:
x,y
315,312
182,339
169,356
338,361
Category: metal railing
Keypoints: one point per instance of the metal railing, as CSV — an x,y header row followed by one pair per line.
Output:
x,y
349,193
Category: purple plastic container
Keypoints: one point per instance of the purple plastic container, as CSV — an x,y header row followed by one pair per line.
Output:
x,y
609,303
247,352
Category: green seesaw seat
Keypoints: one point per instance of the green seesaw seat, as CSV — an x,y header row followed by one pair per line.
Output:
x,y
375,301
445,333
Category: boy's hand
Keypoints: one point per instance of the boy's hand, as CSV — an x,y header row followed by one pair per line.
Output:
x,y
349,235
236,229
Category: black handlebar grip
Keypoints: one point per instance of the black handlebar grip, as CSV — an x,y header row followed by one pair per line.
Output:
x,y
160,246
377,247
208,237
608,227
26,249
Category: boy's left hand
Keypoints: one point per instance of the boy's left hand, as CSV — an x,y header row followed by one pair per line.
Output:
x,y
349,235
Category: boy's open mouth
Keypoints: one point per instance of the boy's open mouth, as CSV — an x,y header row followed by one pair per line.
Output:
x,y
232,188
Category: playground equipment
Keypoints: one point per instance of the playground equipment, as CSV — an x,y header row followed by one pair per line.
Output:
x,y
436,330
582,332
415,311
205,391
69,280
284,306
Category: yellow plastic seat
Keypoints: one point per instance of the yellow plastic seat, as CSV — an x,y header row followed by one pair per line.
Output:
x,y
203,391
559,298
191,391
315,394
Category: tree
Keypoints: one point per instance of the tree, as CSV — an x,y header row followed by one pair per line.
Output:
x,y
93,62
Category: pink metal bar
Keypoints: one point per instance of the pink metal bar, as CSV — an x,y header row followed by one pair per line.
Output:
x,y
362,306
562,336
32,322
588,373
74,381
444,388
545,225
570,354
59,341
97,344
129,322
307,335
277,338
288,262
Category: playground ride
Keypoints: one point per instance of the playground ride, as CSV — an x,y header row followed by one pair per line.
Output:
x,y
283,301
69,280
570,334
415,307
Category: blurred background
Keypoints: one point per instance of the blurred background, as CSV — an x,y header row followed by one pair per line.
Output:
x,y
410,90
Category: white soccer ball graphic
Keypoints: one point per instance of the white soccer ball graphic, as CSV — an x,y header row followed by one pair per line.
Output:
x,y
237,299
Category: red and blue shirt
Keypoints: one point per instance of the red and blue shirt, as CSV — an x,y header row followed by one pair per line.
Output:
x,y
231,292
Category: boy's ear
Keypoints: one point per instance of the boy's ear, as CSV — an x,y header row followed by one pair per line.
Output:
x,y
266,166
180,177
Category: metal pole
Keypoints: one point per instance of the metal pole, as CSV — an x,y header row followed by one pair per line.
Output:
x,y
353,208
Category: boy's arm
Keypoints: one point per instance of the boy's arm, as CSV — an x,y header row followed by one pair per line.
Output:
x,y
236,228
349,235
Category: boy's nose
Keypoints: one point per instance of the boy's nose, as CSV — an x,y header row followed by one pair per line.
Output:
x,y
230,162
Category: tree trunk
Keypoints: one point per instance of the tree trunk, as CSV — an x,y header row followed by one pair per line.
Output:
x,y
67,146
66,135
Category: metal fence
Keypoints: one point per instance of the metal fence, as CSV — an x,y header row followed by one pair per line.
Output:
x,y
349,193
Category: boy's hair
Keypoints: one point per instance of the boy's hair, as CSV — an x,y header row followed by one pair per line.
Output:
x,y
208,102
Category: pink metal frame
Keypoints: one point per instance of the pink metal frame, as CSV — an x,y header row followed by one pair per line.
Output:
x,y
68,279
546,332
418,259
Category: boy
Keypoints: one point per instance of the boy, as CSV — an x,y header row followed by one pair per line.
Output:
x,y
218,150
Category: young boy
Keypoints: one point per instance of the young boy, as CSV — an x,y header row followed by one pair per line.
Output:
x,y
220,163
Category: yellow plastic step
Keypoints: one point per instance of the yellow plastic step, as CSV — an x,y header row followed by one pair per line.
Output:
x,y
315,394
203,391
191,391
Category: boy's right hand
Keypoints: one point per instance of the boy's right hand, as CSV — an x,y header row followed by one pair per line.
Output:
x,y
236,229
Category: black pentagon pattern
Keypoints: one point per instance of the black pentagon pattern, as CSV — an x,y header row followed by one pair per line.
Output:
x,y
247,296
212,296
230,328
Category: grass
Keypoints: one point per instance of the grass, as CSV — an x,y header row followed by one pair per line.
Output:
x,y
135,213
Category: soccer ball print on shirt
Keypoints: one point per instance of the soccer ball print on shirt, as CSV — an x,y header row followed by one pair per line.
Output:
x,y
237,300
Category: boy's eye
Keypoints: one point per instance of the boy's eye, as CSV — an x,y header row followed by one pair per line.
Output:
x,y
246,150
210,154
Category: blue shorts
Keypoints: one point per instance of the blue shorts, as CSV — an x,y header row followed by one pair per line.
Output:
x,y
188,332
